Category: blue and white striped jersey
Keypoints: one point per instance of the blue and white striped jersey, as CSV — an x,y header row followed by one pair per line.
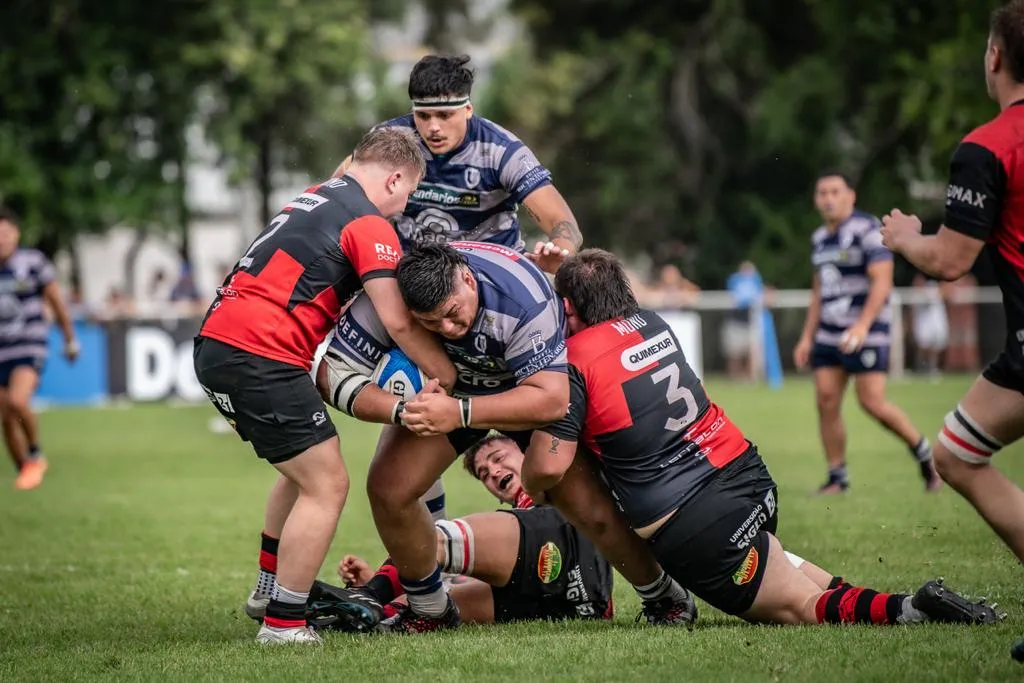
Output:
x,y
519,329
23,326
841,259
473,192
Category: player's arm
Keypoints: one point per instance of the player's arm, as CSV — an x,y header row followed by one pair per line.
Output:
x,y
538,400
553,447
347,386
879,272
813,310
371,244
549,210
55,300
974,199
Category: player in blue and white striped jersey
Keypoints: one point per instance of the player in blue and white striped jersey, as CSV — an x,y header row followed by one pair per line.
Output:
x,y
478,173
27,284
847,328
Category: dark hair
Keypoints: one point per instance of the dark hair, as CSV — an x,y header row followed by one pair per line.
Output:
x,y
596,285
469,457
393,148
1006,25
835,173
7,214
426,276
439,76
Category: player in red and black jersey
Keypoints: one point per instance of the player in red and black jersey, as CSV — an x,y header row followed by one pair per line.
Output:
x,y
256,346
985,210
684,475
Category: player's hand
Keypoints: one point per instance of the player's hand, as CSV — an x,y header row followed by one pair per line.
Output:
x,y
432,414
896,227
548,256
355,571
853,339
71,349
433,386
802,353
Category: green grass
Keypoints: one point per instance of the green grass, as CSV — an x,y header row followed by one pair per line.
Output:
x,y
133,559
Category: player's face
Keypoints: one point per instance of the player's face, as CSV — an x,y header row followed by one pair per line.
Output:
x,y
834,199
454,318
9,235
399,185
442,129
498,467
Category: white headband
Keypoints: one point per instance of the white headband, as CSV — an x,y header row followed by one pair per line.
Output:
x,y
443,102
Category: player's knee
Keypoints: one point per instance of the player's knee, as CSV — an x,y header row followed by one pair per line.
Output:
x,y
872,404
388,495
829,401
962,447
19,404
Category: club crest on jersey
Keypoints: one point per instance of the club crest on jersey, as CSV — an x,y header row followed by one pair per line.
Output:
x,y
648,352
868,358
747,569
472,177
549,562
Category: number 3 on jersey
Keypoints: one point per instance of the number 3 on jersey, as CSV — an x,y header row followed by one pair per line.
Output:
x,y
675,392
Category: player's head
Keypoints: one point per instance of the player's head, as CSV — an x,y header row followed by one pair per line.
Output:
x,y
439,87
834,196
498,463
439,289
1004,54
595,288
10,232
388,163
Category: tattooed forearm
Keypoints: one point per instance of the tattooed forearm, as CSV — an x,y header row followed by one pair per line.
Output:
x,y
568,231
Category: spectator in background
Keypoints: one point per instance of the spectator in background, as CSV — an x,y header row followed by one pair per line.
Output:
x,y
746,288
931,324
672,289
184,295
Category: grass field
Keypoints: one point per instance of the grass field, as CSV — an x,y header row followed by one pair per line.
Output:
x,y
133,559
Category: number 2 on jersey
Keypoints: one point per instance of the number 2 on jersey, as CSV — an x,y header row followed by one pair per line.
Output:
x,y
274,225
676,392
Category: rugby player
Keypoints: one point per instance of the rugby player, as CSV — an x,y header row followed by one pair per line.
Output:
x,y
503,328
686,478
27,283
846,331
984,210
257,343
526,564
478,173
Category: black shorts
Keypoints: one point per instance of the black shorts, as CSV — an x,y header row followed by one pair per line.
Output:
x,y
7,367
1007,370
273,405
868,359
462,439
558,573
717,544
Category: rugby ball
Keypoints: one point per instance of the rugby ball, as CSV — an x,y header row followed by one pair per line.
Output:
x,y
398,375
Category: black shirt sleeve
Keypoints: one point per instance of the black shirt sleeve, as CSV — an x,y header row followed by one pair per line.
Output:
x,y
974,197
570,427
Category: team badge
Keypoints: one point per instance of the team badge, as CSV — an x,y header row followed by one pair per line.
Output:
x,y
472,177
549,562
868,358
747,570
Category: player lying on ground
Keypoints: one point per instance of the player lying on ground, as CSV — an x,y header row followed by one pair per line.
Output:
x,y
526,564
685,476
502,326
984,210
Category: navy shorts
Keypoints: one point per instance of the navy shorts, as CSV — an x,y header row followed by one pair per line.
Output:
x,y
868,359
7,367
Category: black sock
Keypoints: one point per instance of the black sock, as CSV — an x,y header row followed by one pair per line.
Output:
x,y
385,586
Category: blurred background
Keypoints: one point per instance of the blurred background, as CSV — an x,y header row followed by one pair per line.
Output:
x,y
145,144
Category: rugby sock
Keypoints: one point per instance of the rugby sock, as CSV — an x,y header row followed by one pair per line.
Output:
x,y
33,452
922,452
385,586
267,578
427,596
853,605
838,475
459,547
836,582
287,609
434,500
663,587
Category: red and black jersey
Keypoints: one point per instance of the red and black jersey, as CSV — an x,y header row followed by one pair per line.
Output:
x,y
285,294
637,404
985,200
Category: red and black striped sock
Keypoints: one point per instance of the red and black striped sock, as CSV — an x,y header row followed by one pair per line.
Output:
x,y
267,578
836,582
385,586
853,605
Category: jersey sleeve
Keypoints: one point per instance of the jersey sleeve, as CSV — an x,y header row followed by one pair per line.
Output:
x,y
570,427
974,196
370,243
537,343
45,272
521,173
871,243
360,337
